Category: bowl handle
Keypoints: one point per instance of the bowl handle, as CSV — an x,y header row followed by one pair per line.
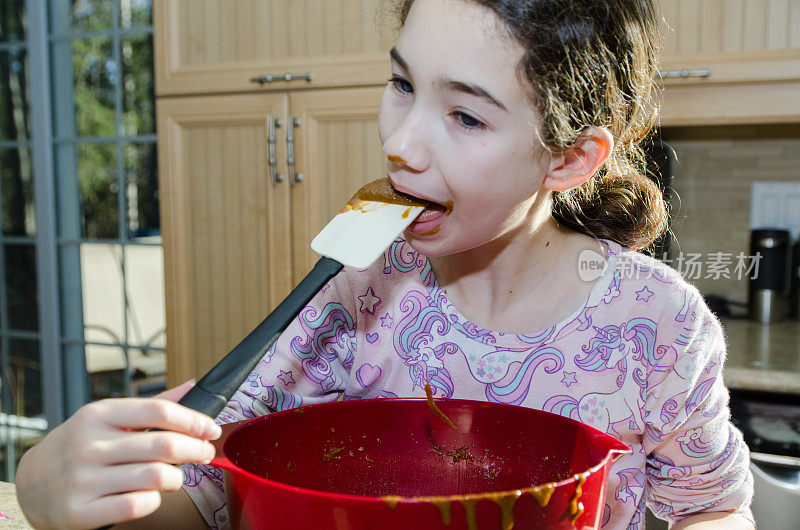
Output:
x,y
220,460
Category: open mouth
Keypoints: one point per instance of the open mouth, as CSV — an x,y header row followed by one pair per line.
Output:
x,y
427,222
446,207
382,190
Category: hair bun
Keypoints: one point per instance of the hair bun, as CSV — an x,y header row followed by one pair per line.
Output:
x,y
623,206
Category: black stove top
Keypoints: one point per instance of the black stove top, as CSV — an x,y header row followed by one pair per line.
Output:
x,y
770,423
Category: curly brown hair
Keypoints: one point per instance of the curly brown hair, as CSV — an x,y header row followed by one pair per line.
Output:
x,y
592,63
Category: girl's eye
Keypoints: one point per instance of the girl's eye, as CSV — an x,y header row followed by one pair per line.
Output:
x,y
468,122
401,85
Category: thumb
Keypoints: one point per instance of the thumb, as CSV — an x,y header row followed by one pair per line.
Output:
x,y
176,393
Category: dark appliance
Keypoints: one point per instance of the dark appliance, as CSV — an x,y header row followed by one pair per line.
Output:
x,y
769,287
661,162
770,424
794,293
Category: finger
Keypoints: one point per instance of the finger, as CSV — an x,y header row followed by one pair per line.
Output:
x,y
157,446
115,509
146,413
175,394
125,478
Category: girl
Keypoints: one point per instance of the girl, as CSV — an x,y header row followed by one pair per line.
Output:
x,y
524,115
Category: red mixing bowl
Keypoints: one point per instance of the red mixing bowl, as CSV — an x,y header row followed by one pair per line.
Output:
x,y
392,464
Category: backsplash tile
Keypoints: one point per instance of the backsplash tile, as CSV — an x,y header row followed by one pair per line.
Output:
x,y
716,169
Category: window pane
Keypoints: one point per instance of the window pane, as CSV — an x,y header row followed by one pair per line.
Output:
x,y
16,182
138,93
12,16
20,262
95,73
23,434
106,367
22,401
103,303
142,192
91,15
135,13
14,117
149,369
25,378
144,275
97,179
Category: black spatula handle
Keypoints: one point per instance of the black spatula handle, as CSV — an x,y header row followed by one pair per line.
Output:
x,y
213,391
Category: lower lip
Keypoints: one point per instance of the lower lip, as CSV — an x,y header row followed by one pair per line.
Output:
x,y
427,223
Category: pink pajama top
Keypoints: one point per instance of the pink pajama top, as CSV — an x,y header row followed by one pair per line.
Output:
x,y
640,360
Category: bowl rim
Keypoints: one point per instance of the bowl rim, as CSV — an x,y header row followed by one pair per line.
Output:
x,y
612,454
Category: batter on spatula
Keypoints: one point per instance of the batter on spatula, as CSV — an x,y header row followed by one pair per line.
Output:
x,y
381,191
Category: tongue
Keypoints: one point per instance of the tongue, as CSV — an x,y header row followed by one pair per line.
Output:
x,y
430,212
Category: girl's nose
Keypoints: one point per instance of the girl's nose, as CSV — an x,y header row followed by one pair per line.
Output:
x,y
406,145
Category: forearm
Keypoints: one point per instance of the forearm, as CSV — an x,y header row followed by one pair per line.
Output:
x,y
713,521
176,511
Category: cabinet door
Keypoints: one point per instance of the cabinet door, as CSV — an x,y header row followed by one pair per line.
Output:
x,y
337,150
225,224
750,51
736,40
206,46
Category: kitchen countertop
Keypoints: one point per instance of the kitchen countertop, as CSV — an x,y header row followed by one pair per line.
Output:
x,y
764,357
10,507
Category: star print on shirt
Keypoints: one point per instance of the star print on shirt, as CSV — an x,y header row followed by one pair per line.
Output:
x,y
386,321
644,295
369,301
623,494
569,378
286,377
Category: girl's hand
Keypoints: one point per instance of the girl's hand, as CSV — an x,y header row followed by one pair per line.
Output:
x,y
99,468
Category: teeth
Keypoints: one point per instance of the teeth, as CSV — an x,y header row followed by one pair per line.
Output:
x,y
428,212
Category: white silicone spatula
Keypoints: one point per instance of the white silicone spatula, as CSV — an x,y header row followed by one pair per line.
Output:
x,y
372,219
356,237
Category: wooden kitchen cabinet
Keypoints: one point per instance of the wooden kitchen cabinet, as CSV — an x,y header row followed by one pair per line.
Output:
x,y
750,50
338,151
214,46
737,40
225,225
236,238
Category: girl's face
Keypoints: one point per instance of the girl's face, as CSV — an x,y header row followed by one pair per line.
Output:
x,y
458,128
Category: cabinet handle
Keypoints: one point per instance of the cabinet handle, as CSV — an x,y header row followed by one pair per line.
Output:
x,y
294,178
271,78
670,74
274,176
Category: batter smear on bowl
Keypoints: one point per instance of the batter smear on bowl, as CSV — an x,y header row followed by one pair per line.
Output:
x,y
435,408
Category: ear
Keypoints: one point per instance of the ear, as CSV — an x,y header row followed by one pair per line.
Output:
x,y
575,166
